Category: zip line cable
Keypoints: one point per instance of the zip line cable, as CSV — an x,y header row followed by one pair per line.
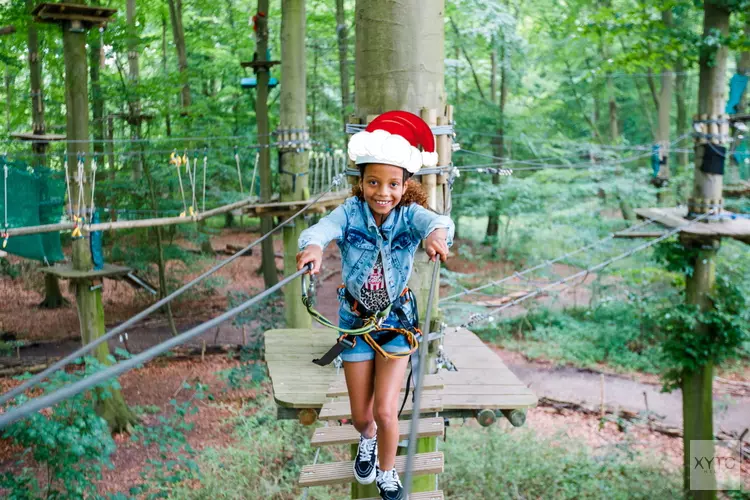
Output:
x,y
158,305
102,376
584,272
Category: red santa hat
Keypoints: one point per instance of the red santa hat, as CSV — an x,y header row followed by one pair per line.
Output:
x,y
395,138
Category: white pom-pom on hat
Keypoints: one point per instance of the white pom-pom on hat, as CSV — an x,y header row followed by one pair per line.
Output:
x,y
395,138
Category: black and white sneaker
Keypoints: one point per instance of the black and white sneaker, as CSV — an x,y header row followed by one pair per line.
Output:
x,y
367,460
389,485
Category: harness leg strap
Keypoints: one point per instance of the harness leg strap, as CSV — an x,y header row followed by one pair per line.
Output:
x,y
333,352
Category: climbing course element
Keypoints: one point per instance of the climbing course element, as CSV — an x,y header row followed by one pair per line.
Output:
x,y
176,160
239,172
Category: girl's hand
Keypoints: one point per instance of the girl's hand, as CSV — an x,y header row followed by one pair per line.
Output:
x,y
435,245
311,254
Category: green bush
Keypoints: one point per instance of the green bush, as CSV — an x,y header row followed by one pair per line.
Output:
x,y
497,463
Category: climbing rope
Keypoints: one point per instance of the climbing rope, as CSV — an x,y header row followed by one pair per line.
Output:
x,y
78,217
156,306
176,160
193,184
239,172
255,169
102,376
93,188
205,164
421,370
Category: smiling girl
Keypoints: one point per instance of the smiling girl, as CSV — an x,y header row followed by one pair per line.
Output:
x,y
378,231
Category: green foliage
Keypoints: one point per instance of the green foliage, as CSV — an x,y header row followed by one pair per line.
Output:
x,y
499,463
72,443
174,463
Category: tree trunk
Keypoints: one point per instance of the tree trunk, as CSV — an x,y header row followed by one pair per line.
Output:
x,y
178,33
342,33
707,190
493,75
167,118
270,276
293,161
682,113
38,126
743,68
132,42
400,65
664,107
8,97
614,129
89,302
493,221
53,297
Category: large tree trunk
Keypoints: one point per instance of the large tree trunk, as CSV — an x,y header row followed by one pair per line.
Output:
x,y
178,32
293,161
90,309
38,126
270,276
400,65
342,33
697,403
743,68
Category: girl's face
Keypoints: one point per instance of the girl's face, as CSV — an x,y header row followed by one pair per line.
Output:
x,y
382,186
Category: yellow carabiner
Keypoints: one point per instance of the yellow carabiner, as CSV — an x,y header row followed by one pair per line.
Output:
x,y
175,159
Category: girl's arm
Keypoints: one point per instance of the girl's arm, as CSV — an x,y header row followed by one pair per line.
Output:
x,y
329,228
426,221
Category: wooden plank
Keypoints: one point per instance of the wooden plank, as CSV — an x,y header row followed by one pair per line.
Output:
x,y
508,402
675,217
426,495
338,386
485,390
66,271
479,377
30,136
342,472
347,434
337,410
643,234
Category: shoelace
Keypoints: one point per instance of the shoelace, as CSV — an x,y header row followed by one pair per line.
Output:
x,y
388,480
366,447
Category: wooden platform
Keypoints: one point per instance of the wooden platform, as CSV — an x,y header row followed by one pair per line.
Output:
x,y
342,472
481,382
736,190
738,229
287,208
31,136
66,272
347,434
61,12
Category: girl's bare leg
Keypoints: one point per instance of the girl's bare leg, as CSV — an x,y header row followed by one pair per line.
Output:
x,y
389,375
360,384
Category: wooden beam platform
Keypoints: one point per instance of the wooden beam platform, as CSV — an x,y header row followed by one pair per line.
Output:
x,y
737,190
347,434
430,383
738,229
62,12
642,234
66,272
342,472
31,136
340,409
482,380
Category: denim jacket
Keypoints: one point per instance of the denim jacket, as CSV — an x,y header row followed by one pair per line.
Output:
x,y
360,240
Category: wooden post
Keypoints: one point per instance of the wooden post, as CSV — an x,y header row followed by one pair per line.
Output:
x,y
293,159
268,265
89,302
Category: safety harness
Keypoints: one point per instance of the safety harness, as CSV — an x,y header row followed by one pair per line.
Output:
x,y
368,323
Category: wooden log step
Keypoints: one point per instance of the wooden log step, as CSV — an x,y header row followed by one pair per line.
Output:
x,y
347,434
336,410
338,386
427,495
342,472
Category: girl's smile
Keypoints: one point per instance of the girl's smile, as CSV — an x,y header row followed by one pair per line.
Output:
x,y
382,186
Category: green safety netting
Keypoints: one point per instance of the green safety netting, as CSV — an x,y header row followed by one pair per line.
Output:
x,y
33,197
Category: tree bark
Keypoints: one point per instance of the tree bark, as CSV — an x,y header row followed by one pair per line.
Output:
x,y
178,33
493,75
498,143
38,125
90,310
270,276
743,68
342,34
167,117
293,161
664,106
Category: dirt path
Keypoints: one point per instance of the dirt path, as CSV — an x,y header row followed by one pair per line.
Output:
x,y
731,403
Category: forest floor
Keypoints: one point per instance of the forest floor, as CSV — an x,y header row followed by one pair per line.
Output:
x,y
53,333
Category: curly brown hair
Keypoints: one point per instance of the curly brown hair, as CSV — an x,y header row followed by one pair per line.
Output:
x,y
413,194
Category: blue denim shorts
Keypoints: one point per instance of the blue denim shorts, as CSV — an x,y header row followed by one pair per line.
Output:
x,y
361,350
